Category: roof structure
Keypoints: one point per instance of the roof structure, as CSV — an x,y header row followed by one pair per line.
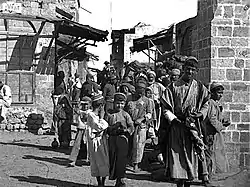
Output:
x,y
65,26
72,37
147,42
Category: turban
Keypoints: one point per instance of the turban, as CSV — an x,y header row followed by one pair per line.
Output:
x,y
215,85
152,73
85,99
97,97
175,72
120,97
191,61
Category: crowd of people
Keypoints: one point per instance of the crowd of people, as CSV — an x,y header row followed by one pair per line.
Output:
x,y
115,121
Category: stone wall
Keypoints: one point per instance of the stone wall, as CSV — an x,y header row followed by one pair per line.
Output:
x,y
230,52
44,69
219,37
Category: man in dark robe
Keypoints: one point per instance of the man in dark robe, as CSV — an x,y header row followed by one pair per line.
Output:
x,y
108,93
64,115
212,127
120,128
89,87
184,99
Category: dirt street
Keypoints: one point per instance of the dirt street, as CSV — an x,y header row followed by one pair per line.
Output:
x,y
28,161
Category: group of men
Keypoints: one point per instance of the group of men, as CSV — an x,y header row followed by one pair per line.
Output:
x,y
185,115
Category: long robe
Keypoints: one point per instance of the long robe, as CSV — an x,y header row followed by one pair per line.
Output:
x,y
213,138
97,146
64,116
181,160
108,94
118,143
158,90
80,139
6,100
138,110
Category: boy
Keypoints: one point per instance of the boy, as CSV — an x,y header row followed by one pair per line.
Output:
x,y
120,128
80,140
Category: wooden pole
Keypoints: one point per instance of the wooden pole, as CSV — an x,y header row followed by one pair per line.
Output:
x,y
149,53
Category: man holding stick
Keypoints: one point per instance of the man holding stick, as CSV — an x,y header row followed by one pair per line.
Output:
x,y
184,104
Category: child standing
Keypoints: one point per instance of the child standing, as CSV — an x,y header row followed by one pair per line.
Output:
x,y
80,141
120,128
97,140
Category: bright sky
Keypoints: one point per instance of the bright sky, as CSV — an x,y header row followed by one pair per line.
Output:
x,y
127,13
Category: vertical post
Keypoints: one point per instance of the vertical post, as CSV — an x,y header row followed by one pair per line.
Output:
x,y
56,58
148,52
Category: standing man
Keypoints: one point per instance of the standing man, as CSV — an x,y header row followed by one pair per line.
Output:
x,y
212,127
5,100
89,87
108,93
184,105
140,111
158,90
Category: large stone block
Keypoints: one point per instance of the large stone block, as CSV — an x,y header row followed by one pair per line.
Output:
x,y
218,11
244,136
226,52
228,11
241,32
227,136
239,63
218,74
233,74
244,147
246,75
224,31
239,42
247,159
224,62
245,117
218,21
243,52
237,22
243,127
227,97
235,117
239,86
241,97
235,136
218,41
237,107
247,63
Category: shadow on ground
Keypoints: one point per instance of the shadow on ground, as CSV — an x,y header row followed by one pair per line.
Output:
x,y
53,160
56,160
49,181
40,147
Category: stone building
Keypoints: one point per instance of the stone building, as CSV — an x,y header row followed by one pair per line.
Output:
x,y
29,30
219,37
122,40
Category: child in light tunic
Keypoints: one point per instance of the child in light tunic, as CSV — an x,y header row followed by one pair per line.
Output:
x,y
97,141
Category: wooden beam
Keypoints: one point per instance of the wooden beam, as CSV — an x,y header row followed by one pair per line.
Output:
x,y
155,47
32,25
148,55
52,39
70,48
6,24
64,13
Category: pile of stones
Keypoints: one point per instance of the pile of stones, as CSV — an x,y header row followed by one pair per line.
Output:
x,y
22,120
